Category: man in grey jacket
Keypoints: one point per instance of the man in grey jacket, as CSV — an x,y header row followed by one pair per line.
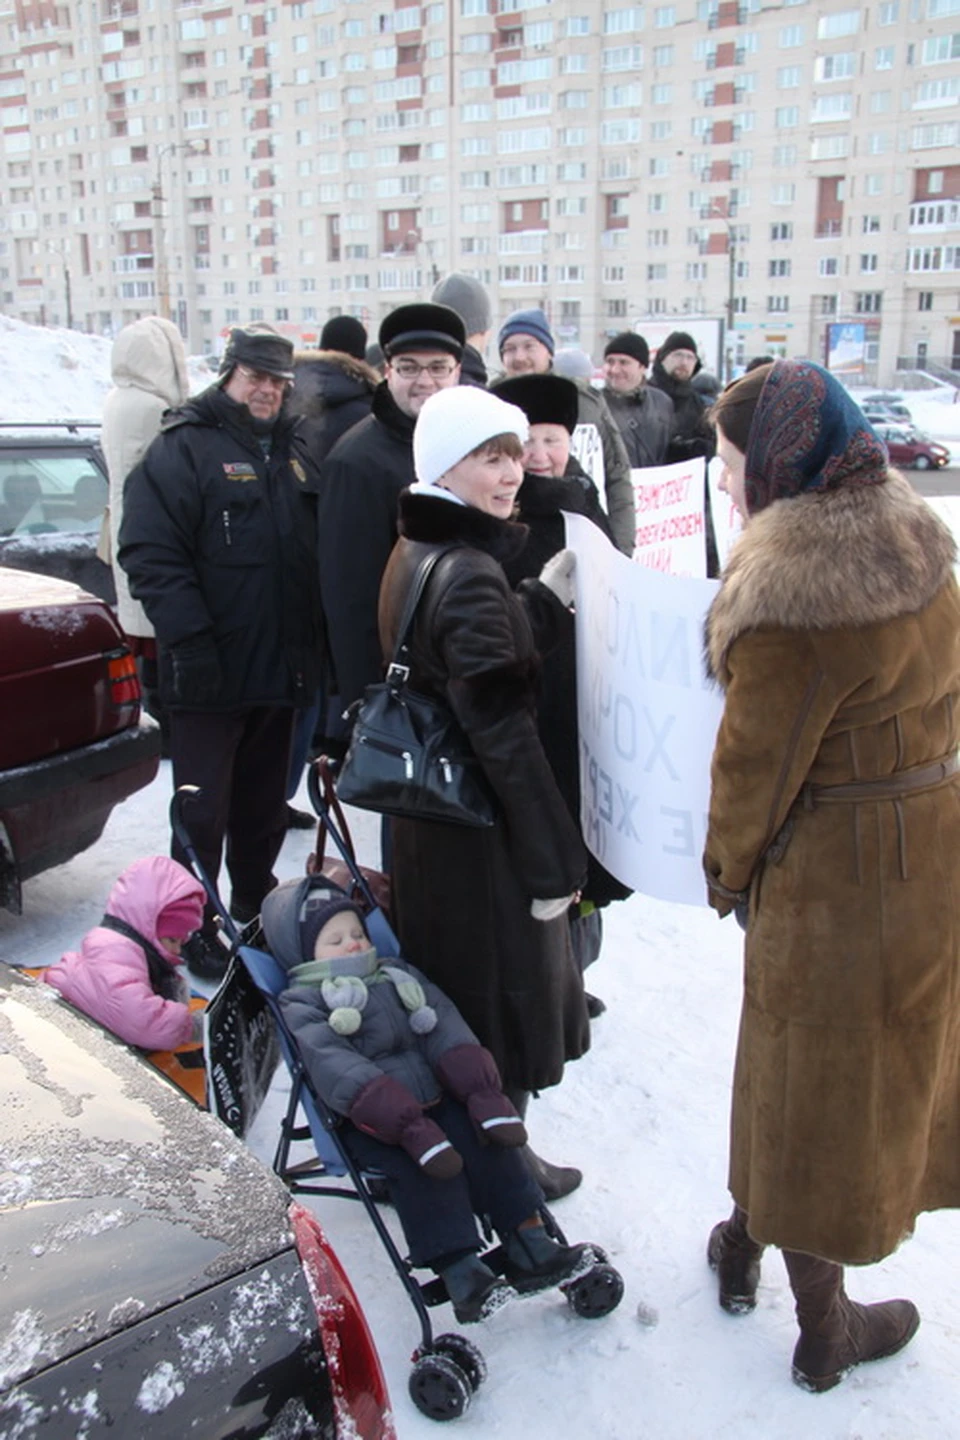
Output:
x,y
645,415
526,347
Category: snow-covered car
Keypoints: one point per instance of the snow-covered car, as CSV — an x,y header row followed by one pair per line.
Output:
x,y
886,412
53,493
911,449
72,741
157,1279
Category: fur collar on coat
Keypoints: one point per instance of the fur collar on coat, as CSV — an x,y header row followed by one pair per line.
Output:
x,y
827,561
440,522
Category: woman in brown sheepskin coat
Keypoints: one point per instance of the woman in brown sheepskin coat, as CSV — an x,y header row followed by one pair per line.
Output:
x,y
834,831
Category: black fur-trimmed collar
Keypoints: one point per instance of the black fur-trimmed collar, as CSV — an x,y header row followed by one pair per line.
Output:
x,y
441,522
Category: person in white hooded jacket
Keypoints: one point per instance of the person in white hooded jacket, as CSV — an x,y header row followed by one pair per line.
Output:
x,y
148,364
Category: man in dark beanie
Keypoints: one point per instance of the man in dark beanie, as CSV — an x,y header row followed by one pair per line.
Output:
x,y
345,334
691,435
472,303
334,385
675,365
362,478
645,415
218,540
527,347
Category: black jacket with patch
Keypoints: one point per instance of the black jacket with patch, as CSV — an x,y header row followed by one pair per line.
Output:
x,y
220,540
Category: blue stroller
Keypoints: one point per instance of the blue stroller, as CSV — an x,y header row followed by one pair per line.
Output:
x,y
447,1368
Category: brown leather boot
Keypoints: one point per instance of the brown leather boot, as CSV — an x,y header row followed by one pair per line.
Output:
x,y
835,1332
736,1259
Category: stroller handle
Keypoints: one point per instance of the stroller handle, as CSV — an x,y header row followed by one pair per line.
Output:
x,y
180,799
324,800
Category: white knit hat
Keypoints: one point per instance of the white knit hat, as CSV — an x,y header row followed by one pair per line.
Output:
x,y
456,421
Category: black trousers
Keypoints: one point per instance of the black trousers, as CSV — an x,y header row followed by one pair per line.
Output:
x,y
239,759
438,1215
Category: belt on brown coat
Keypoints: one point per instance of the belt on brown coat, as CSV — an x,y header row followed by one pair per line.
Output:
x,y
883,787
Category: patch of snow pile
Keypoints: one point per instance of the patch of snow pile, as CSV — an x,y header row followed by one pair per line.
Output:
x,y
22,1345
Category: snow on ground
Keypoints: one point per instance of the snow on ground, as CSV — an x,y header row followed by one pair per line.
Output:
x,y
644,1114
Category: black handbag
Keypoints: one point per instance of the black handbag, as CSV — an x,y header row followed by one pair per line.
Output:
x,y
407,755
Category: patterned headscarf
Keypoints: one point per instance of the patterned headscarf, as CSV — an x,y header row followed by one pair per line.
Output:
x,y
808,434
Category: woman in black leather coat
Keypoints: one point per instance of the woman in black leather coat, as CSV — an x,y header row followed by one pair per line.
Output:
x,y
483,911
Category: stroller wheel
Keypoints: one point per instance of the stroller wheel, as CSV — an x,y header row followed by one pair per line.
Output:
x,y
596,1293
439,1388
465,1354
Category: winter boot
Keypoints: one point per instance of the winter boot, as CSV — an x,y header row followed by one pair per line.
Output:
x,y
475,1292
206,956
836,1333
554,1180
533,1261
736,1259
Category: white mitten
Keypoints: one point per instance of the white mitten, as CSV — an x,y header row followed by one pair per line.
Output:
x,y
550,909
558,575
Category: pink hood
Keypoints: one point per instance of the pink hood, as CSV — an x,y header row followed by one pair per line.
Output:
x,y
108,978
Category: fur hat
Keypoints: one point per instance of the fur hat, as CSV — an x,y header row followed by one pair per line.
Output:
x,y
317,916
456,421
345,334
677,340
629,343
526,322
422,327
544,399
468,298
261,347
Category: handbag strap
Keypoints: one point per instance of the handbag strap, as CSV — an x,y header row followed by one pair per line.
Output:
x,y
399,669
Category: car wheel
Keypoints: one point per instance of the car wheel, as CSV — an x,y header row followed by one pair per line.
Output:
x,y
922,462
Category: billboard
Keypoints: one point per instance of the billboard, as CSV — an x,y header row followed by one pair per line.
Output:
x,y
707,333
846,349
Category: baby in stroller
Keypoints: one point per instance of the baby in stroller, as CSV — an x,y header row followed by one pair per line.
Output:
x,y
421,1103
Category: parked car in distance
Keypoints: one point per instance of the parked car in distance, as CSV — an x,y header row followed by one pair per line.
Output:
x,y
157,1281
910,449
878,412
53,492
72,741
894,403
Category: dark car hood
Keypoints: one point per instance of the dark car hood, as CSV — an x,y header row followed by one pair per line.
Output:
x,y
117,1196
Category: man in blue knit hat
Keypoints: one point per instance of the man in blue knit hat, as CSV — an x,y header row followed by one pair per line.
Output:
x,y
527,347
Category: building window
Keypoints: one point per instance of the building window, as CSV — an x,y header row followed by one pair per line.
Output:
x,y
925,300
828,265
777,268
778,304
868,302
782,230
869,264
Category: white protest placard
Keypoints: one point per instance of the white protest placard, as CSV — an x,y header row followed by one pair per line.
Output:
x,y
647,718
587,447
727,521
670,520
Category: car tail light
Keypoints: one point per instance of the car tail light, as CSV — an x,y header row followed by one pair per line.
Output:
x,y
124,682
356,1377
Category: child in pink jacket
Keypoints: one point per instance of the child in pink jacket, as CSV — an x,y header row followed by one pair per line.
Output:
x,y
127,972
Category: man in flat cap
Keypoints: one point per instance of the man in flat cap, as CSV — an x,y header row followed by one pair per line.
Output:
x,y
218,539
362,478
645,415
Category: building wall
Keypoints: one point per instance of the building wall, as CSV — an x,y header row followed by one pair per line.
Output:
x,y
797,164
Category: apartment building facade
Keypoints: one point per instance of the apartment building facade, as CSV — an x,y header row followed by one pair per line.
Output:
x,y
790,168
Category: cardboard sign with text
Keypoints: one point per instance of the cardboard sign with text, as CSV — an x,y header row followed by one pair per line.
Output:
x,y
647,718
587,447
670,519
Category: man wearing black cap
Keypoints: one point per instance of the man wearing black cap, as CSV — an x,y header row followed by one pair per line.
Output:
x,y
218,540
334,385
362,478
645,415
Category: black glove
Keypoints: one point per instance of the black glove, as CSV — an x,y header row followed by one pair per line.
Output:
x,y
197,677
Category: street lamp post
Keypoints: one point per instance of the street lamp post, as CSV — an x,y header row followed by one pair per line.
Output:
x,y
160,264
731,301
60,248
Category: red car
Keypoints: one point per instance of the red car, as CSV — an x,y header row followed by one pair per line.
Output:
x,y
72,744
911,449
